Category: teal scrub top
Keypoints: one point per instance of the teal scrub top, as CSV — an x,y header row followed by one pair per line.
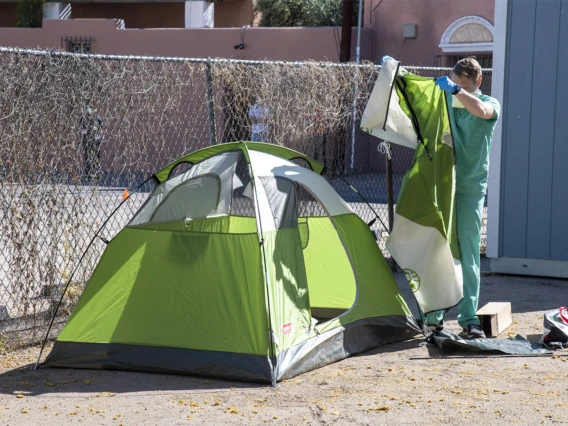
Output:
x,y
472,139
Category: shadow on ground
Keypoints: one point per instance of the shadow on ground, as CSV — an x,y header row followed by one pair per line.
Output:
x,y
58,380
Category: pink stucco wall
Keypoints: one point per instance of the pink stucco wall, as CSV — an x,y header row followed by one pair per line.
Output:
x,y
432,17
291,44
230,14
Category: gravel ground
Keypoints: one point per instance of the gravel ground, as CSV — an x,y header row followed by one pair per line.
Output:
x,y
403,384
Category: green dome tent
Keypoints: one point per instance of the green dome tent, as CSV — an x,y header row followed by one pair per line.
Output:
x,y
243,266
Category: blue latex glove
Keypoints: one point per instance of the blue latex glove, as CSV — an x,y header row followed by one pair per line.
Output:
x,y
386,58
446,84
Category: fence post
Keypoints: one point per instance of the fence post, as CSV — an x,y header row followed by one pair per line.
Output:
x,y
390,203
210,103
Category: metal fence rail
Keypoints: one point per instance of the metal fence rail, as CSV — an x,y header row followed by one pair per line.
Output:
x,y
78,130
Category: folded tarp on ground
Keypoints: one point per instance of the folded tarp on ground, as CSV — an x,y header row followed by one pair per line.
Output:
x,y
449,342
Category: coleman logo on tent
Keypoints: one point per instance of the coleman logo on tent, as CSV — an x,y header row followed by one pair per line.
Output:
x,y
413,279
287,328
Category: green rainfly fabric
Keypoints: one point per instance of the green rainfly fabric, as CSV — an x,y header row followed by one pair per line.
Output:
x,y
427,194
423,240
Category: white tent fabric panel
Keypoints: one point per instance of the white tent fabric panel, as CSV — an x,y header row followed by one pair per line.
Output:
x,y
396,127
282,198
266,165
265,220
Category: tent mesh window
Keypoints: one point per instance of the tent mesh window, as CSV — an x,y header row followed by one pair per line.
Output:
x,y
197,193
242,198
179,169
307,205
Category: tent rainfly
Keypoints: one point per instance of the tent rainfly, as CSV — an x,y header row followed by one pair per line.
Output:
x,y
411,111
243,265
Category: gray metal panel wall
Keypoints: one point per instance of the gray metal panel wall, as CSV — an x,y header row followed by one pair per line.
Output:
x,y
559,207
534,211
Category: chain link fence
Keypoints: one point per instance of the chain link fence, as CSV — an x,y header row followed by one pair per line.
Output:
x,y
78,133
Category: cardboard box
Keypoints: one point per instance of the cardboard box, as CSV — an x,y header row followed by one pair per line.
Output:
x,y
495,317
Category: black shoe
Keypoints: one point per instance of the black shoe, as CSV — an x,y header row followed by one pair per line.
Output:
x,y
472,331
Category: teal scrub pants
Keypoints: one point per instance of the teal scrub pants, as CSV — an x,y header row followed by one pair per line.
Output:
x,y
469,211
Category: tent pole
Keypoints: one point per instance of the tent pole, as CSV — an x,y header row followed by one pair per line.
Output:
x,y
390,203
262,249
360,195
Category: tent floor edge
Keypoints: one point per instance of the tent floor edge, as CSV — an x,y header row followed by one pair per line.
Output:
x,y
351,339
157,359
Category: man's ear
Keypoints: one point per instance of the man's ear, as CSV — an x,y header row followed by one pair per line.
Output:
x,y
478,83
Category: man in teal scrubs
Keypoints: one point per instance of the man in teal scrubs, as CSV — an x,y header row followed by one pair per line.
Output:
x,y
473,117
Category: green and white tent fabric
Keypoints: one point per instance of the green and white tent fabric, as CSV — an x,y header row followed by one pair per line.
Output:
x,y
411,111
244,266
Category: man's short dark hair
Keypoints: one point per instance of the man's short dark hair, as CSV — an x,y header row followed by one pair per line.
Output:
x,y
468,68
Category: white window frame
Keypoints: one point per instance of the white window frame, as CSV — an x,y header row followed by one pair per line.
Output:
x,y
448,47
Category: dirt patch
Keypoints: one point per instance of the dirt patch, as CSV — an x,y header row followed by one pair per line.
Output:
x,y
402,383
